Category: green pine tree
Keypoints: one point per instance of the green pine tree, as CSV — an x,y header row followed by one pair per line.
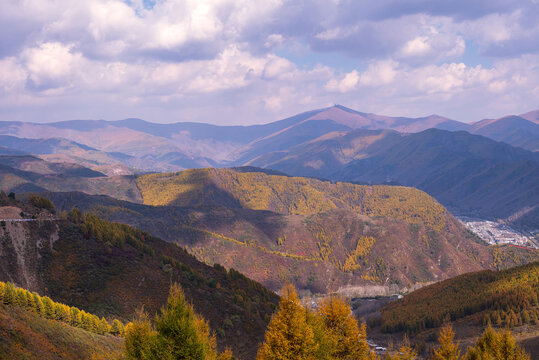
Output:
x,y
182,333
140,339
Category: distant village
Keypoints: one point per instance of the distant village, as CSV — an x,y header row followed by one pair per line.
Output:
x,y
498,233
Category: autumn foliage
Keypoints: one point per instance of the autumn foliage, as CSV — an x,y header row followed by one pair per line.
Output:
x,y
504,298
49,309
296,332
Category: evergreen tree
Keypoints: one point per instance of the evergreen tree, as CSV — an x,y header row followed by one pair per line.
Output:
x,y
75,316
48,307
350,340
405,352
179,334
40,308
289,335
31,301
326,344
447,350
20,298
182,333
104,327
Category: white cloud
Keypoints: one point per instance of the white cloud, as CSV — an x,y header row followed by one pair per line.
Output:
x,y
343,84
107,58
379,73
51,64
12,76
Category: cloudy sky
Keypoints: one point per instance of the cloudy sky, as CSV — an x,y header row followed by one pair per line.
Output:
x,y
250,61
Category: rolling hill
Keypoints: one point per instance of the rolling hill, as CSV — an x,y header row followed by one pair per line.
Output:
x,y
111,270
513,130
322,236
469,174
20,174
504,298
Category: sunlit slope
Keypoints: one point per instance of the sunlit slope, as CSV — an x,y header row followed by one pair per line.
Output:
x,y
319,235
288,195
25,335
506,299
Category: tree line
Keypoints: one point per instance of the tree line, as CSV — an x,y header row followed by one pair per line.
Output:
x,y
49,309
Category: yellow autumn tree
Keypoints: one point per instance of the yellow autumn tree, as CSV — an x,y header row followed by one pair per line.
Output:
x,y
447,350
289,335
405,352
494,345
350,340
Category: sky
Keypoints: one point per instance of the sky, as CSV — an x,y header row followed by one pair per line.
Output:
x,y
248,61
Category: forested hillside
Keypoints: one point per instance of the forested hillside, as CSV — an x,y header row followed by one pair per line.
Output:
x,y
112,270
503,298
322,241
288,195
470,174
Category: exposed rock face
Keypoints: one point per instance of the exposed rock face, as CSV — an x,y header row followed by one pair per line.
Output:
x,y
22,244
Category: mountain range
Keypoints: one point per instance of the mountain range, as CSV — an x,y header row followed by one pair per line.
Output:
x,y
487,169
469,174
331,200
145,146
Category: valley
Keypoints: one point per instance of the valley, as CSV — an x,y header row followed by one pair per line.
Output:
x,y
328,206
272,180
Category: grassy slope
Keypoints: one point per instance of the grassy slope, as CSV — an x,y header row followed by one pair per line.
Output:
x,y
24,335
